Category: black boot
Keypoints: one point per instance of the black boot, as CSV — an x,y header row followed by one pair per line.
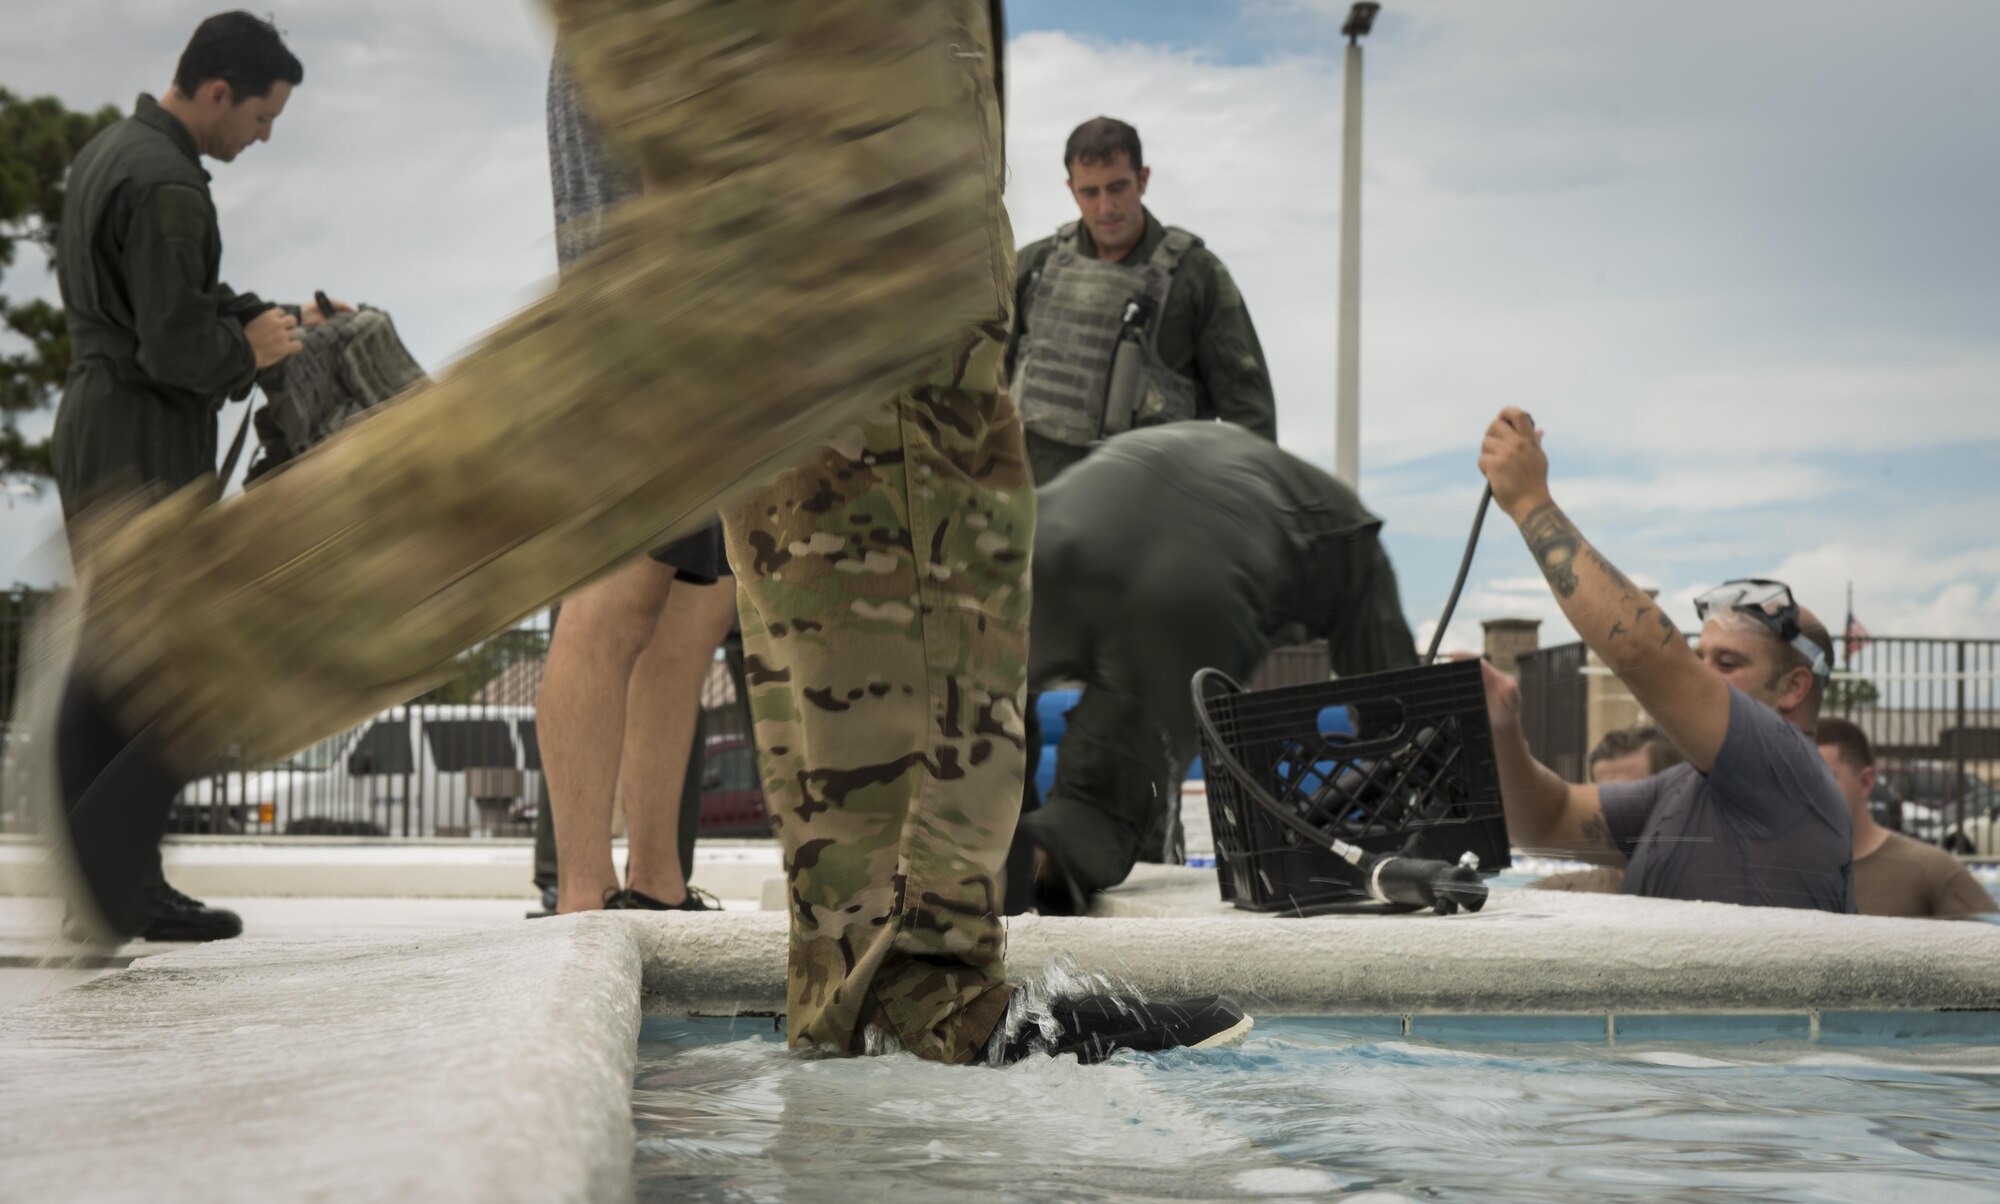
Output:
x,y
1058,892
181,918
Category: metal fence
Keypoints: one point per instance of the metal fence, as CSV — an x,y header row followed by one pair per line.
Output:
x,y
1555,707
465,758
462,760
1930,708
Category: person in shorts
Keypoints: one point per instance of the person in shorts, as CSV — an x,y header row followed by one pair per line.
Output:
x,y
619,699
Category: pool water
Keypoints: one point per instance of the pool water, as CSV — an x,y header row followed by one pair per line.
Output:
x,y
1362,1108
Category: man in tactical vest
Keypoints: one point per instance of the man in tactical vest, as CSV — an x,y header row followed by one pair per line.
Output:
x,y
1167,551
158,342
1121,322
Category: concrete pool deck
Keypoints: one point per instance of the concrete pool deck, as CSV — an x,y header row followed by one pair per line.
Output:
x,y
475,1056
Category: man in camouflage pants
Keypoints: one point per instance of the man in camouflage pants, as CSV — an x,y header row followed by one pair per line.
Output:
x,y
821,229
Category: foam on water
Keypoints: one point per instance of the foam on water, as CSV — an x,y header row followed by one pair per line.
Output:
x,y
1674,1057
1305,1110
1060,978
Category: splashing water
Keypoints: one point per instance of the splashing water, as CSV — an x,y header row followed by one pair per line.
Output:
x,y
1062,978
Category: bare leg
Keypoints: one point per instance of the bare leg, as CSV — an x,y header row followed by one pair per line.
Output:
x,y
581,711
659,730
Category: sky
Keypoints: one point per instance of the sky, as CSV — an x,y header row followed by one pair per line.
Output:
x,y
1735,258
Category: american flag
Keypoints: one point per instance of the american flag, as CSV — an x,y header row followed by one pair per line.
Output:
x,y
1857,637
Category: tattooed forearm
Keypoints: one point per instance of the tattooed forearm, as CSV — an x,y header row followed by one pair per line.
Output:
x,y
1592,599
1598,833
1554,543
1626,590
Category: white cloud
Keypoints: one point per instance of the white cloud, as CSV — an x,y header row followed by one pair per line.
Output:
x,y
1708,262
1561,215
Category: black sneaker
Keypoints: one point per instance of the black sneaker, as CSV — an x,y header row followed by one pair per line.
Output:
x,y
1093,1027
181,918
632,900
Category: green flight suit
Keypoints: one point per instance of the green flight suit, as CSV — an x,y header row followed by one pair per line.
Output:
x,y
156,338
1205,332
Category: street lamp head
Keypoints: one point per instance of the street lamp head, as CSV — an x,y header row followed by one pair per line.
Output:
x,y
1360,19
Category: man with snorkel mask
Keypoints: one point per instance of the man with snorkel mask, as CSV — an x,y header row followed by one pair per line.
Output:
x,y
1752,817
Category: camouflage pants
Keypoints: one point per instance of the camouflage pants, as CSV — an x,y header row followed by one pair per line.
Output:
x,y
884,590
821,231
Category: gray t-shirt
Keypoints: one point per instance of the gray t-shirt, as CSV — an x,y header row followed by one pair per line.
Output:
x,y
1766,826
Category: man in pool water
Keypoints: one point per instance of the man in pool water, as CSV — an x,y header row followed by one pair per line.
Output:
x,y
1894,875
1752,816
822,275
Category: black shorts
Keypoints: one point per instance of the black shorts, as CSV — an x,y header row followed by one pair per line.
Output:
x,y
697,559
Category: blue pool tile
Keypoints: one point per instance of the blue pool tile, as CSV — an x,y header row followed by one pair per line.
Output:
x,y
1364,1026
1712,1026
1506,1027
1877,1028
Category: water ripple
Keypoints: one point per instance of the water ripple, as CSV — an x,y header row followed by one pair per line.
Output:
x,y
1306,1111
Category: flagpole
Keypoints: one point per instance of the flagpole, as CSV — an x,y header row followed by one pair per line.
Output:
x,y
1847,632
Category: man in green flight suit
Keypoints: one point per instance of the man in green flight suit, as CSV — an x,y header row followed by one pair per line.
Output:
x,y
1122,322
158,341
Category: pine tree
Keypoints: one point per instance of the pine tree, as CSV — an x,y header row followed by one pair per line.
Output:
x,y
38,139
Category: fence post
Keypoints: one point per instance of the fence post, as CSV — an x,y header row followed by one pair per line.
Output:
x,y
409,791
1958,782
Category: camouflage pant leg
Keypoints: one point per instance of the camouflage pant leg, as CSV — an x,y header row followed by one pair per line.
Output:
x,y
822,223
884,591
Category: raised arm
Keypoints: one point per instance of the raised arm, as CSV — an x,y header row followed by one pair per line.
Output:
x,y
1623,626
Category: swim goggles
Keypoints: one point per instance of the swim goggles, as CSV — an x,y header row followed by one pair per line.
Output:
x,y
1770,603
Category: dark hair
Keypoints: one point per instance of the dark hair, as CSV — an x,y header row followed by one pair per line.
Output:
x,y
241,50
1102,140
1849,739
1660,751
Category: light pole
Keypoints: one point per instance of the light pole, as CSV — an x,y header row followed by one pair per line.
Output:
x,y
1347,386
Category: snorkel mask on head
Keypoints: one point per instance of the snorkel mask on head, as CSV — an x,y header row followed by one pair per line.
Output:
x,y
1771,604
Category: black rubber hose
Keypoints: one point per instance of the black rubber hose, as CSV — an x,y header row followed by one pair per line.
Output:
x,y
1464,567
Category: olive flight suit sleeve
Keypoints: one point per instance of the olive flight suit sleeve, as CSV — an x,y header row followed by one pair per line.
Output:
x,y
189,337
1229,358
244,307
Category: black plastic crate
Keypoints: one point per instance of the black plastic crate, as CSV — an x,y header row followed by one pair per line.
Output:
x,y
1398,762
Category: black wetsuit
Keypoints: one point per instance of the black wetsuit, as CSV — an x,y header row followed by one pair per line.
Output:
x,y
1169,550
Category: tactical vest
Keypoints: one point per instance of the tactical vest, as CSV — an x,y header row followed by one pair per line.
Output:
x,y
1064,382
